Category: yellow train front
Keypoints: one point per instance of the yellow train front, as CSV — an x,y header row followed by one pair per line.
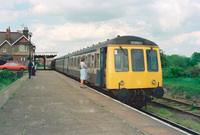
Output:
x,y
133,72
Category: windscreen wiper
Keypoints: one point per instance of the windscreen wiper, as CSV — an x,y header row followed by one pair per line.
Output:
x,y
123,50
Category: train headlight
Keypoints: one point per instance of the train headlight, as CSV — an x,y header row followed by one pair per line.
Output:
x,y
154,81
122,82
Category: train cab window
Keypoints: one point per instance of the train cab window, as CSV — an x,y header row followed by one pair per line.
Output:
x,y
121,60
152,60
137,57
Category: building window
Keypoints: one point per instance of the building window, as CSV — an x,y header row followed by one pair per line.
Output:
x,y
4,50
22,59
23,48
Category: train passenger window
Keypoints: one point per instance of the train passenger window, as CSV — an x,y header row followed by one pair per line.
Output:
x,y
97,61
79,60
66,63
85,59
72,62
152,60
137,58
92,61
75,62
121,60
89,60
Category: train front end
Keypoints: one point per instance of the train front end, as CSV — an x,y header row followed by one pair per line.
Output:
x,y
133,73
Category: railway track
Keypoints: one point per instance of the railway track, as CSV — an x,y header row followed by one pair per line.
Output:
x,y
178,106
189,131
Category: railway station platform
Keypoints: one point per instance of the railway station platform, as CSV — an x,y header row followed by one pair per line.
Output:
x,y
52,104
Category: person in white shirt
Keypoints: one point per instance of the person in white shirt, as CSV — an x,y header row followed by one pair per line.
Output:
x,y
83,72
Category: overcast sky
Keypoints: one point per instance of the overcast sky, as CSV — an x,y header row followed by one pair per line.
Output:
x,y
65,26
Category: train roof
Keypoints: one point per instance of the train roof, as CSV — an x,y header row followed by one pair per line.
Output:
x,y
132,40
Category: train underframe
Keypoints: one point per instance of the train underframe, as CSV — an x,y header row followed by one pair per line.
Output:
x,y
138,97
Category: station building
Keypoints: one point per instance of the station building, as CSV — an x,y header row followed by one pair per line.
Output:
x,y
16,46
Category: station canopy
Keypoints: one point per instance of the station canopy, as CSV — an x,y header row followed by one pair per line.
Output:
x,y
45,54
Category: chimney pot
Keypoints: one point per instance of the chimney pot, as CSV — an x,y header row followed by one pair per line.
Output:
x,y
25,32
8,34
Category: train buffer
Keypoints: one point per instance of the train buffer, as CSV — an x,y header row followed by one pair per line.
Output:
x,y
52,104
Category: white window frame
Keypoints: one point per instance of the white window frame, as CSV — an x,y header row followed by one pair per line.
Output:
x,y
22,48
22,59
4,50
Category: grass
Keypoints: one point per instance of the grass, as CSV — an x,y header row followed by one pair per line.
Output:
x,y
7,122
166,113
23,129
70,110
42,110
76,120
27,115
42,122
160,111
102,106
188,86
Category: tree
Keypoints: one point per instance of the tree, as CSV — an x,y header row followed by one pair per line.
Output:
x,y
178,61
28,58
164,61
195,59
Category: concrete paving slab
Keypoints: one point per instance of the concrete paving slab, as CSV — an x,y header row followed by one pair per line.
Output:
x,y
48,104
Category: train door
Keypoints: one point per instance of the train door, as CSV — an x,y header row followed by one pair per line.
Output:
x,y
103,66
66,65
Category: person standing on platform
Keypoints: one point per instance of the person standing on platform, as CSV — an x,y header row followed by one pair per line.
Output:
x,y
33,68
83,71
29,68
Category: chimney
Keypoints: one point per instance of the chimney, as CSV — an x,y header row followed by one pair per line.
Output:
x,y
8,34
25,32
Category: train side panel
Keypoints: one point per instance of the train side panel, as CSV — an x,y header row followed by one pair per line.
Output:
x,y
59,64
66,64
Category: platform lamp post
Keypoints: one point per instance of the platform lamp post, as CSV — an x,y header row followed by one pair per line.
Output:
x,y
30,35
34,47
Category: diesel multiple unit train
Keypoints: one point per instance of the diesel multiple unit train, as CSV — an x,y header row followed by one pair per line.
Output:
x,y
127,66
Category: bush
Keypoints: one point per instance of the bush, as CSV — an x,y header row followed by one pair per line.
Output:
x,y
166,73
175,72
188,96
195,72
6,78
5,74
